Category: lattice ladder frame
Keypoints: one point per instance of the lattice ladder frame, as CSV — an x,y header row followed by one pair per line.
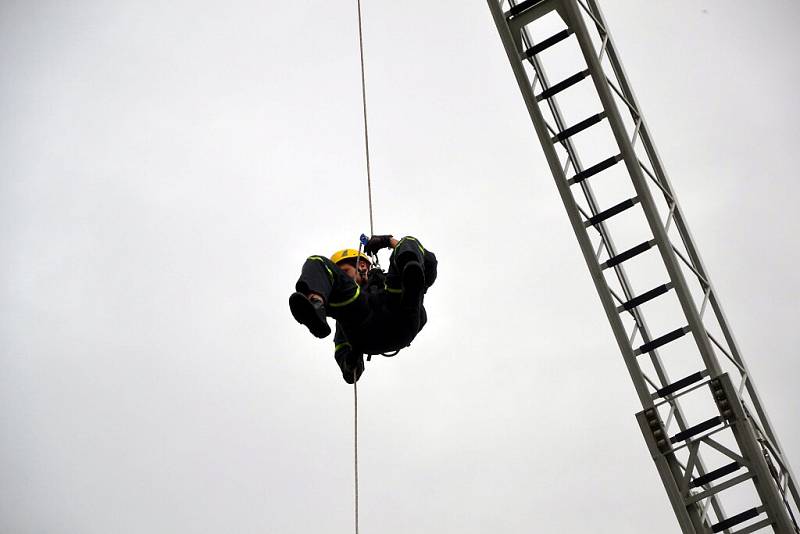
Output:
x,y
752,430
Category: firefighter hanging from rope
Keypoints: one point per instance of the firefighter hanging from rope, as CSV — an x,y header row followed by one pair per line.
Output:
x,y
375,312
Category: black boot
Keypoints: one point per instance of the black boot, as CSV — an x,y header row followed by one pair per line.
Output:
x,y
413,283
310,313
351,364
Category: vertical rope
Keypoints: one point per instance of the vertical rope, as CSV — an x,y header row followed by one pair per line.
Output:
x,y
366,128
371,232
355,438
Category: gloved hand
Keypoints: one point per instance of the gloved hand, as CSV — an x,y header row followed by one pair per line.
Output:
x,y
376,243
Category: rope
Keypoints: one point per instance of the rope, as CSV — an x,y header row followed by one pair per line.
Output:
x,y
355,437
371,232
355,419
364,105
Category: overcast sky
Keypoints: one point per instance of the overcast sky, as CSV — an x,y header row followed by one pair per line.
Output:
x,y
166,167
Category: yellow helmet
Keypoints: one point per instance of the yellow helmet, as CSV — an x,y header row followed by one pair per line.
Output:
x,y
347,254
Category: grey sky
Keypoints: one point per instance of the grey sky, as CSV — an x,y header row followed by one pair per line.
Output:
x,y
166,169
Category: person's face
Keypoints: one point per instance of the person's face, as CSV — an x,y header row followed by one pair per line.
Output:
x,y
351,271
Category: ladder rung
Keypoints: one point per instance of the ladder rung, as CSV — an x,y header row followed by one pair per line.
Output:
x,y
610,212
591,171
581,126
521,8
758,525
663,340
715,474
696,429
547,43
628,254
735,520
695,497
562,85
644,297
680,384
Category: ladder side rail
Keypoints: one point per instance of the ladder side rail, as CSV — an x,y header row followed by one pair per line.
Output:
x,y
574,159
593,206
608,242
655,358
665,184
689,517
642,189
591,200
689,244
744,434
746,444
566,196
605,236
619,269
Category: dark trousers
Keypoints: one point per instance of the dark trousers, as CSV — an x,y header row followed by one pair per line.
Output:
x,y
410,249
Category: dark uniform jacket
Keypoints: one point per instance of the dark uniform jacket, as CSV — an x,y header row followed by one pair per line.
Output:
x,y
389,326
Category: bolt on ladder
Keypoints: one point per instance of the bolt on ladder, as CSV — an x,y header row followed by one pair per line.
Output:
x,y
724,453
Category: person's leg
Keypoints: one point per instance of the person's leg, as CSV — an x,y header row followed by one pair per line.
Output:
x,y
307,304
407,272
410,249
323,289
407,249
316,278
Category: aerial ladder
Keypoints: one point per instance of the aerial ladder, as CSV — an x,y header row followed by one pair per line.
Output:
x,y
704,424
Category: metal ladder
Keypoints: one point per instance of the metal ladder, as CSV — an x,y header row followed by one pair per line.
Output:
x,y
724,453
